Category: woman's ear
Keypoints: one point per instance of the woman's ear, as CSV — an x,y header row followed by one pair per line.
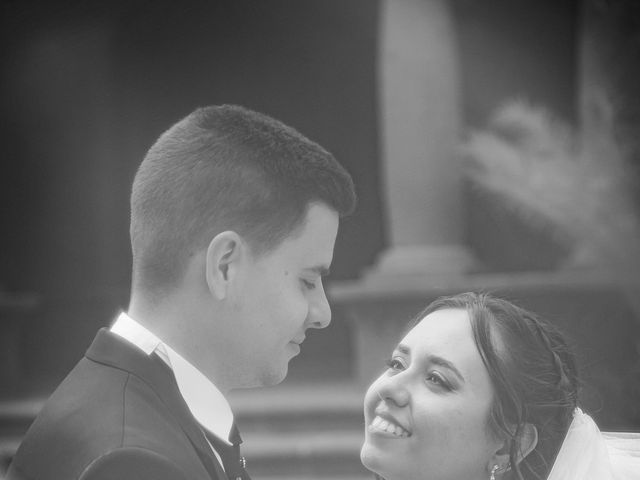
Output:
x,y
528,439
223,253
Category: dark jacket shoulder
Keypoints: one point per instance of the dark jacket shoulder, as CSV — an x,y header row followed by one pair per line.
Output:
x,y
116,404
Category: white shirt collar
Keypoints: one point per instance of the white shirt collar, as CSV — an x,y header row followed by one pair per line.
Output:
x,y
205,401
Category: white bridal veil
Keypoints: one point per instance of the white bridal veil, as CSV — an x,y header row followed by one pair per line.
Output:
x,y
588,454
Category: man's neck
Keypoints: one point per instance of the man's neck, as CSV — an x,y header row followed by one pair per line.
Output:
x,y
159,315
170,321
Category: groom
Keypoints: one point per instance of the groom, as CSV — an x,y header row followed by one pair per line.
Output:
x,y
233,222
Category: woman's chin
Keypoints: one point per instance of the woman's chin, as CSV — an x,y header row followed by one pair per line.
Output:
x,y
370,458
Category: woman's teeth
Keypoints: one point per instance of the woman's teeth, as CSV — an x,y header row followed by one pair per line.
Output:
x,y
382,425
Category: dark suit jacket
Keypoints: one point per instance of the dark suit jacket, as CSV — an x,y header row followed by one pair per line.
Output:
x,y
117,415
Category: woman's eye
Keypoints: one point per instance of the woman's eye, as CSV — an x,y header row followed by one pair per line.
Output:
x,y
437,379
394,364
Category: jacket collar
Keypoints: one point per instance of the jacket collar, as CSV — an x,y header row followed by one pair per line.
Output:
x,y
110,349
207,404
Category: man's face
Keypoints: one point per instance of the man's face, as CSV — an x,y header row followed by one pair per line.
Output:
x,y
279,296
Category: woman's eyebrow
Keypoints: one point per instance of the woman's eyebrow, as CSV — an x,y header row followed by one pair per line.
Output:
x,y
443,362
434,359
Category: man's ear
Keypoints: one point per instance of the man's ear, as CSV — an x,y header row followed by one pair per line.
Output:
x,y
528,440
223,253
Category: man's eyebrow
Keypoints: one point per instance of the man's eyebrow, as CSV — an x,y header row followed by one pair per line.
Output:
x,y
435,359
320,270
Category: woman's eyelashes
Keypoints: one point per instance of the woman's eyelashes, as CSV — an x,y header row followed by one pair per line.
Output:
x,y
395,364
433,377
437,379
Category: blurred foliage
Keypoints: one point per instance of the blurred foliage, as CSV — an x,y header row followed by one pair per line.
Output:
x,y
574,186
554,179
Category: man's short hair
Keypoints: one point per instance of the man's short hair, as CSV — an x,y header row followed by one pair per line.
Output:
x,y
226,168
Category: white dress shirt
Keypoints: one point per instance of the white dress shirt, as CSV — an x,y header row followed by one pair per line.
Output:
x,y
206,403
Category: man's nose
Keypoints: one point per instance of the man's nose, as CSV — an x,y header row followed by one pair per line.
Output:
x,y
319,310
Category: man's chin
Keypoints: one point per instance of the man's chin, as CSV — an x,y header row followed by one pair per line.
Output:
x,y
273,377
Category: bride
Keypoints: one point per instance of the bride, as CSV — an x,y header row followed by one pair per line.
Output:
x,y
482,389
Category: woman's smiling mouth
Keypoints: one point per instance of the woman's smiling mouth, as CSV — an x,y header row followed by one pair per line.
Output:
x,y
388,427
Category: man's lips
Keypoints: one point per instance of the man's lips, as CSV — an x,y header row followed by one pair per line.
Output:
x,y
296,343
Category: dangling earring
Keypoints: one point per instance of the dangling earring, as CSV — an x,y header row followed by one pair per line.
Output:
x,y
493,472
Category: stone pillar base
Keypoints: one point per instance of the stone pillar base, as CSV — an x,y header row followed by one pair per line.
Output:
x,y
423,261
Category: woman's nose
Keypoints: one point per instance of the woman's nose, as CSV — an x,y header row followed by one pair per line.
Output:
x,y
394,390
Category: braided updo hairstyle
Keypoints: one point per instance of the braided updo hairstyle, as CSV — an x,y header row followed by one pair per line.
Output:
x,y
533,374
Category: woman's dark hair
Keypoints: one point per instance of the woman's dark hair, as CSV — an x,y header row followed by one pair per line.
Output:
x,y
533,373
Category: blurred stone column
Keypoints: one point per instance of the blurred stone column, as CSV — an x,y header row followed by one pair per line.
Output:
x,y
609,65
419,108
609,101
609,105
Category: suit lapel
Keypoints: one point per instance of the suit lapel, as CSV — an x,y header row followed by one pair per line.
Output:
x,y
110,349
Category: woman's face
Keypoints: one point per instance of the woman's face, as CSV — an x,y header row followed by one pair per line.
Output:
x,y
426,416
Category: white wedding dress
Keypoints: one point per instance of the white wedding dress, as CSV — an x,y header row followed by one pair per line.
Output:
x,y
589,454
